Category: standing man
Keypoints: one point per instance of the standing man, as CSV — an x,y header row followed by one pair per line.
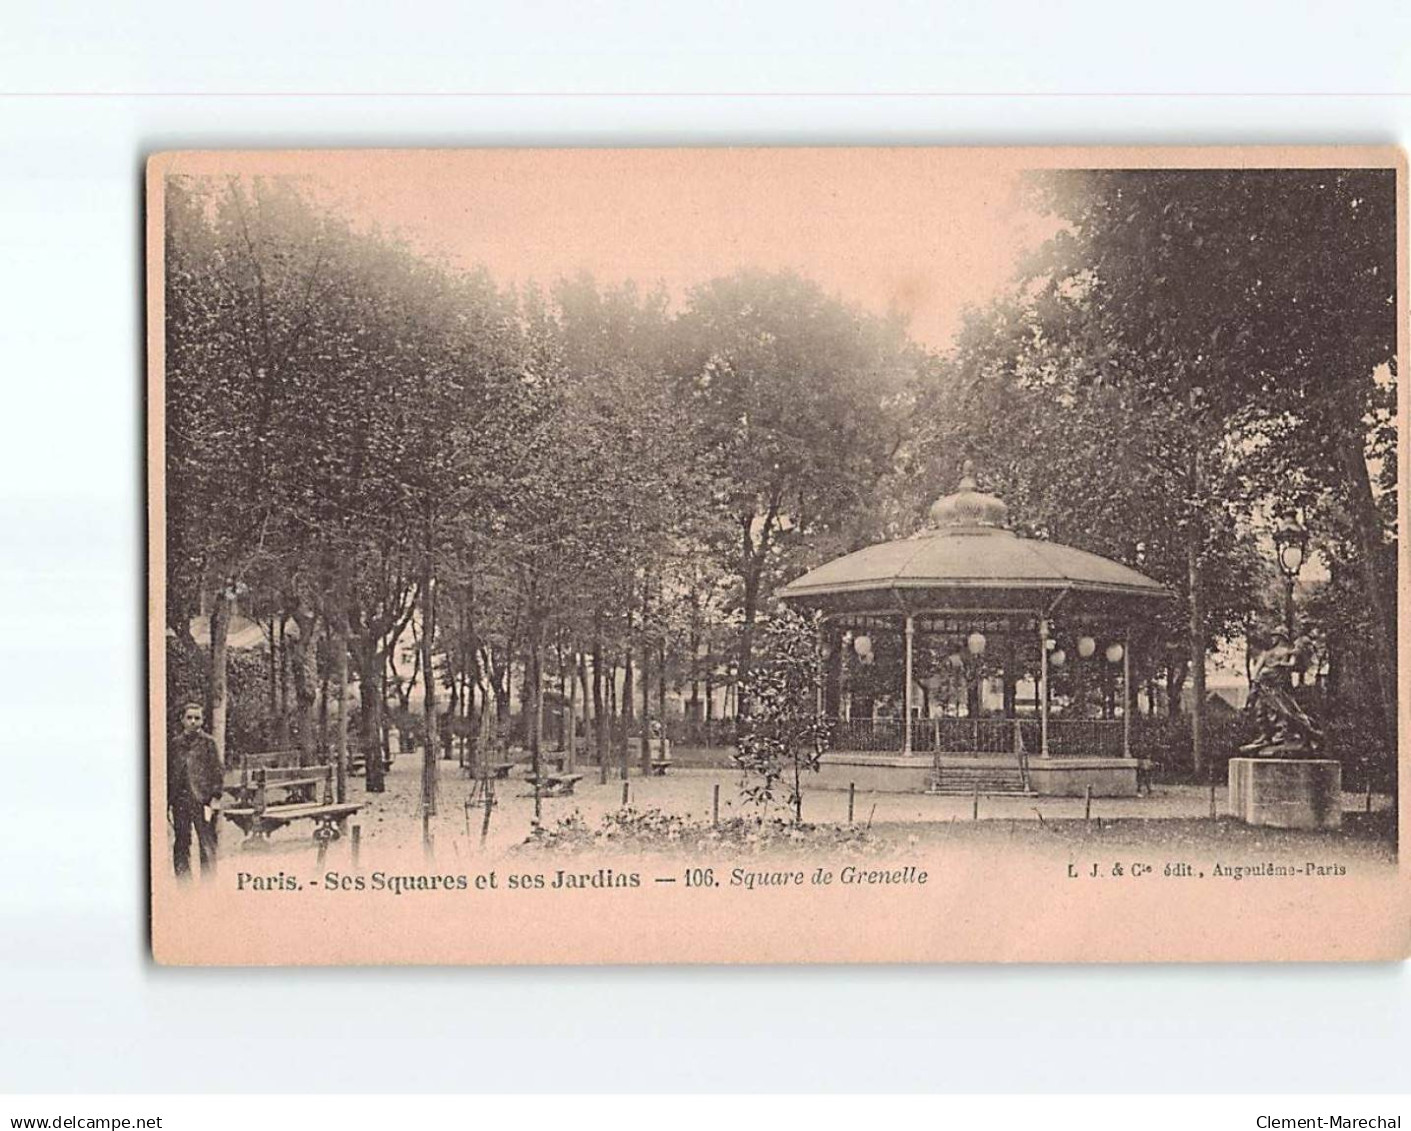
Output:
x,y
195,779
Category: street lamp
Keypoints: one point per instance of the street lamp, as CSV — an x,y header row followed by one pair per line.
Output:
x,y
1291,546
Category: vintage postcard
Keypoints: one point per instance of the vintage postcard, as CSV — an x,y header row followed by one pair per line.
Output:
x,y
776,555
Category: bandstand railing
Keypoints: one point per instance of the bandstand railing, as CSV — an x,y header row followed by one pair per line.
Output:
x,y
1085,738
1067,738
868,735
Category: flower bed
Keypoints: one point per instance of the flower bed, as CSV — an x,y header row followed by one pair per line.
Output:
x,y
652,830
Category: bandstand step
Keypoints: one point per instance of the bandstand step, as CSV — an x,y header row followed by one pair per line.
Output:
x,y
962,780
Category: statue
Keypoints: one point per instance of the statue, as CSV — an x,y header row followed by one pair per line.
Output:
x,y
1285,728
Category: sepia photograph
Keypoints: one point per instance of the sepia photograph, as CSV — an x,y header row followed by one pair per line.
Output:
x,y
841,563
775,555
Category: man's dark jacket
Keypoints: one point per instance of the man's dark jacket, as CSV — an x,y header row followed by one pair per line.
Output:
x,y
193,769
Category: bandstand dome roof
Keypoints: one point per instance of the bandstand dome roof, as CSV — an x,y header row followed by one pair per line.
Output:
x,y
967,560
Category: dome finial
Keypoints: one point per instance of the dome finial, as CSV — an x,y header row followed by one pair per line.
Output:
x,y
969,508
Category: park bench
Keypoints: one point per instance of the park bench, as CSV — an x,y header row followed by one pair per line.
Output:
x,y
257,817
278,770
296,784
501,769
555,784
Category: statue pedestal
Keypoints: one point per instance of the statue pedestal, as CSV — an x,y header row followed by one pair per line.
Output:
x,y
1287,793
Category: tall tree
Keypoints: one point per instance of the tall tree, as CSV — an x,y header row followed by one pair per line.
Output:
x,y
799,402
1267,301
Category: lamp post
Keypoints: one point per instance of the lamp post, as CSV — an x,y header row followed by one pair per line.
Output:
x,y
1291,547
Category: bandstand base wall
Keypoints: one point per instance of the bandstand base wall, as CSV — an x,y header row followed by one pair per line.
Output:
x,y
875,773
1071,777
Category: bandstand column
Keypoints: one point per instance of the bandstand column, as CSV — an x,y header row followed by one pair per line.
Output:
x,y
1126,692
1043,688
906,691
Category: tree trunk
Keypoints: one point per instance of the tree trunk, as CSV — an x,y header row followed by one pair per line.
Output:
x,y
477,755
534,687
798,792
1197,661
371,666
467,728
453,695
709,699
746,651
220,634
499,686
323,744
627,686
589,720
268,736
661,685
340,689
1175,681
281,718
1380,595
570,729
306,681
1197,614
601,719
614,721
646,709
427,599
532,698
693,709
645,748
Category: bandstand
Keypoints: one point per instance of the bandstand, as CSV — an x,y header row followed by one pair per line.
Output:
x,y
970,589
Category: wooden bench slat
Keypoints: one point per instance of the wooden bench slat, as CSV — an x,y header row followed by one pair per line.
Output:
x,y
305,809
288,813
280,783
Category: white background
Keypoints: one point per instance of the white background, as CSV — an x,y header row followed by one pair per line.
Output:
x,y
92,88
